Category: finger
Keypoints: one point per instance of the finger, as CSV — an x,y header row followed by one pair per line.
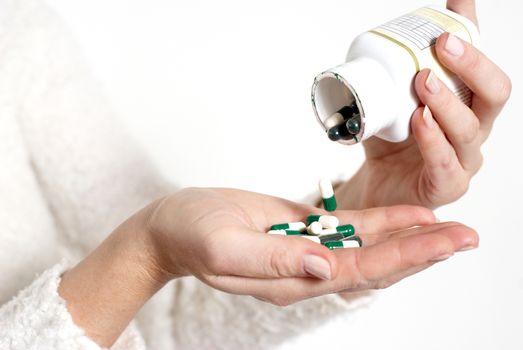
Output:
x,y
383,219
459,240
462,242
360,268
440,159
258,255
491,86
265,210
274,210
456,120
386,219
465,8
376,263
389,281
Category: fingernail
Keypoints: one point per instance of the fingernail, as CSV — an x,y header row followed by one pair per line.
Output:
x,y
468,247
432,83
442,257
427,117
454,46
317,267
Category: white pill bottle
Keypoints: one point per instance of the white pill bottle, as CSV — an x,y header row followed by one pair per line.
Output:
x,y
377,79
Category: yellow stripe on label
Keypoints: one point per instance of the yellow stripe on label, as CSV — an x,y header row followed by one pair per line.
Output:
x,y
450,24
443,21
397,42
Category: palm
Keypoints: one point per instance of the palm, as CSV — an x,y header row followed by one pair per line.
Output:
x,y
396,174
218,236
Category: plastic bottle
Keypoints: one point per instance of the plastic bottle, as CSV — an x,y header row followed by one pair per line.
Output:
x,y
374,90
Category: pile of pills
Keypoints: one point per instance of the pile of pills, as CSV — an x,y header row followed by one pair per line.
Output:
x,y
323,229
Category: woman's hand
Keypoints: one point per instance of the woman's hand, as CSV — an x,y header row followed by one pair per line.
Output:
x,y
218,235
435,165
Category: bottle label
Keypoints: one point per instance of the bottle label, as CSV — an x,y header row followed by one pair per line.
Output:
x,y
417,33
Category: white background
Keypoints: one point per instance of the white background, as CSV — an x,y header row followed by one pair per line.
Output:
x,y
218,93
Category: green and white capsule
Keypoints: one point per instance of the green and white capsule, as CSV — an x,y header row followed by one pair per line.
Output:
x,y
327,195
314,228
326,221
345,230
331,238
324,239
354,238
293,226
285,232
321,240
352,243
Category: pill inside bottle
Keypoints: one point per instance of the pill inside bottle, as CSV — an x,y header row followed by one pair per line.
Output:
x,y
344,124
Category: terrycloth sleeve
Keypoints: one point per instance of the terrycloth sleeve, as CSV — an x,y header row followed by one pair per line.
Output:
x,y
89,172
94,175
37,319
211,319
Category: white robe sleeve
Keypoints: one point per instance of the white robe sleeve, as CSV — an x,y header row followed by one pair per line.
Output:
x,y
37,319
36,62
94,176
210,319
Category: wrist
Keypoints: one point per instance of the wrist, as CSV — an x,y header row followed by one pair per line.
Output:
x,y
144,237
104,291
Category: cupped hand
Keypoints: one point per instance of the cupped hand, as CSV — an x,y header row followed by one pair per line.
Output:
x,y
435,165
219,236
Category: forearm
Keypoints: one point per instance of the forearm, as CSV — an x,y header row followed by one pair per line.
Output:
x,y
106,289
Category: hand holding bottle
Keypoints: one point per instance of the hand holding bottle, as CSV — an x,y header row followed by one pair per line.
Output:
x,y
435,165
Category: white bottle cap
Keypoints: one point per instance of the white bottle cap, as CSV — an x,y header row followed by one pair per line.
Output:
x,y
363,81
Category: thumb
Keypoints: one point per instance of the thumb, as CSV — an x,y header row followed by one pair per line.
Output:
x,y
259,255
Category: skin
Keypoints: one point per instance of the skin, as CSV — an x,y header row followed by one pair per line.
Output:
x,y
435,164
218,235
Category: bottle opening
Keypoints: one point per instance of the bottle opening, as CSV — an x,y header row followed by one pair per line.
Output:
x,y
337,108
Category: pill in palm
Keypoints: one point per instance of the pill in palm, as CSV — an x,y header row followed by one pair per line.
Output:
x,y
285,232
320,239
346,230
352,243
293,226
326,221
329,221
314,228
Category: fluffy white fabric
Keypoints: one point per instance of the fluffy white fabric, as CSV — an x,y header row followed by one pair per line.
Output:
x,y
37,319
69,175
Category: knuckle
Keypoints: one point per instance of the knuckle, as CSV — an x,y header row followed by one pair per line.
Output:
x,y
470,132
481,160
472,62
277,264
447,163
462,186
445,102
478,163
382,284
358,280
504,90
280,300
